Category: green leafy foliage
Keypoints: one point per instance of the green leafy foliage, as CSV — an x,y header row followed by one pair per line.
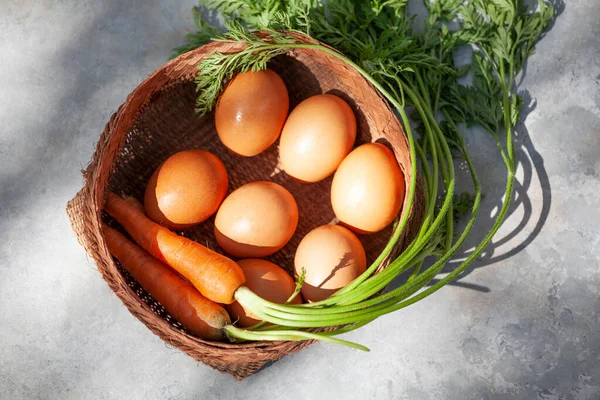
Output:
x,y
480,103
504,30
219,68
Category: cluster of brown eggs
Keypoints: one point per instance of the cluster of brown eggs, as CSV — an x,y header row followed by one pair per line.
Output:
x,y
259,218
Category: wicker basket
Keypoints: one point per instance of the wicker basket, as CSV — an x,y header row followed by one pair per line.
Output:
x,y
158,119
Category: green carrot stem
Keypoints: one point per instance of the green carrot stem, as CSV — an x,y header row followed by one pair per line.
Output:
x,y
238,333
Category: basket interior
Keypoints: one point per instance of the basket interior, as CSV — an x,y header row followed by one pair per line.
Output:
x,y
168,124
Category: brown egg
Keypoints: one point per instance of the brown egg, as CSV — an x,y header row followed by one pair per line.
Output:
x,y
256,220
367,191
267,280
186,189
316,137
332,257
251,112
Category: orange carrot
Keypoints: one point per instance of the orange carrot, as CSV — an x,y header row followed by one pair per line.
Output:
x,y
199,315
134,203
214,275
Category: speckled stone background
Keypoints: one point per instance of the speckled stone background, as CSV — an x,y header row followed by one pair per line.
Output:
x,y
524,323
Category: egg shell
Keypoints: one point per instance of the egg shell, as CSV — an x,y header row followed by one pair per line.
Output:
x,y
316,137
367,190
251,112
267,280
332,257
186,189
256,220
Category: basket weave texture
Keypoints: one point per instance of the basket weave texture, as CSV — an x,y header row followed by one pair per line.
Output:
x,y
158,119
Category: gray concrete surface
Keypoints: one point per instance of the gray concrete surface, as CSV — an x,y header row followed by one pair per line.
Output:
x,y
523,324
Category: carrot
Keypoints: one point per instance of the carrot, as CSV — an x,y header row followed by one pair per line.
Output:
x,y
134,203
196,313
214,275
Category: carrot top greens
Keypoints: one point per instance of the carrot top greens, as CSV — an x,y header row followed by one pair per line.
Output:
x,y
413,69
